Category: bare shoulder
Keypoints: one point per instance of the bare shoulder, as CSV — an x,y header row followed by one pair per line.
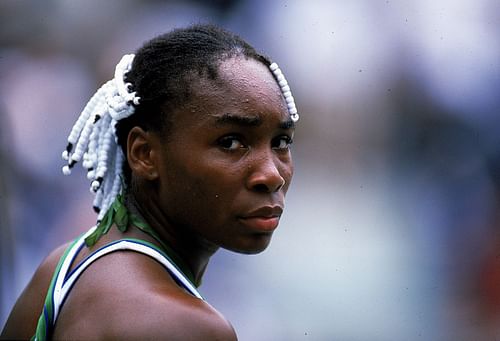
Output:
x,y
129,296
22,321
176,318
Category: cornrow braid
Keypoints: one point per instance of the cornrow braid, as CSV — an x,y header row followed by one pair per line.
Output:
x,y
145,88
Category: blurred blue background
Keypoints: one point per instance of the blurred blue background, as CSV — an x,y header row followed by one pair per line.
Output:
x,y
392,226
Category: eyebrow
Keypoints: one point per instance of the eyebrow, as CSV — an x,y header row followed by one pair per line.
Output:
x,y
248,121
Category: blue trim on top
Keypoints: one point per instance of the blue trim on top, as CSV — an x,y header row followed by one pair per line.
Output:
x,y
47,325
67,275
135,241
90,255
164,254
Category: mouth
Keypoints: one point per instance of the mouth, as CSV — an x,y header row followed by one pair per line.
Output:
x,y
264,219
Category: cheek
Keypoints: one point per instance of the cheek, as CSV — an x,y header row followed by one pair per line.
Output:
x,y
216,190
198,192
289,168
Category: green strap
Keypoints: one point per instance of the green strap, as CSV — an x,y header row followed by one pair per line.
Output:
x,y
122,218
46,320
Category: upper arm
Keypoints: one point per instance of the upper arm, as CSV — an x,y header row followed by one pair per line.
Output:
x,y
22,321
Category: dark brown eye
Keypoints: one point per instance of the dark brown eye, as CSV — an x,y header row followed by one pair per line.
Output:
x,y
231,143
282,142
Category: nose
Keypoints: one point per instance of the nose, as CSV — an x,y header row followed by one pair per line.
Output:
x,y
265,176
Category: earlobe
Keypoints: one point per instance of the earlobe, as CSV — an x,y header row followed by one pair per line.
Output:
x,y
141,153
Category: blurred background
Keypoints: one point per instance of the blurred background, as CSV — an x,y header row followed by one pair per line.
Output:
x,y
392,226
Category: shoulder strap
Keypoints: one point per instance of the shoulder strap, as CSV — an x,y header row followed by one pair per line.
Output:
x,y
51,306
136,245
59,293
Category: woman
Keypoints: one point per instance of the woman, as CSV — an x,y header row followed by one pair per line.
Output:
x,y
204,124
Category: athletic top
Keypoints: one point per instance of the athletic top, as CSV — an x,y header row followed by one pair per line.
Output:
x,y
63,280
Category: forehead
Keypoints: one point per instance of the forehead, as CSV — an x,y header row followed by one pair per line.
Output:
x,y
248,76
244,88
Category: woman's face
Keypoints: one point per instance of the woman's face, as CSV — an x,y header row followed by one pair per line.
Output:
x,y
226,167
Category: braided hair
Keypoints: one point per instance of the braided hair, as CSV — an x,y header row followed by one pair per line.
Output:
x,y
146,87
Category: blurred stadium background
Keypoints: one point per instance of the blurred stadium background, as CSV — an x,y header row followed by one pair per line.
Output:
x,y
392,227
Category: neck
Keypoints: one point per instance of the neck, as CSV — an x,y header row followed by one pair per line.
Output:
x,y
193,250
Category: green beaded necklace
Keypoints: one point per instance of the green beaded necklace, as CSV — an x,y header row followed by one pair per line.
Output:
x,y
119,215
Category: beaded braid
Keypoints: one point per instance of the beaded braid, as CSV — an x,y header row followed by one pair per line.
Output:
x,y
285,90
93,137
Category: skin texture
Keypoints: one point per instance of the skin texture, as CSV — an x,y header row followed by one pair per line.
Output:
x,y
218,180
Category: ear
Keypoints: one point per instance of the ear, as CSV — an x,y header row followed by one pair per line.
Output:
x,y
142,153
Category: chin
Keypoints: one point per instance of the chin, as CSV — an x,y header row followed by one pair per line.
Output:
x,y
251,246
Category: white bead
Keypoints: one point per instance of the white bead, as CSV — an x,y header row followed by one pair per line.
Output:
x,y
91,175
295,117
65,155
66,170
293,111
113,113
119,106
283,83
280,78
287,94
273,66
95,185
277,73
289,99
285,88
